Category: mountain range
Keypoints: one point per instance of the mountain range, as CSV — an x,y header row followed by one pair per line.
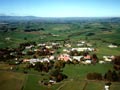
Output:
x,y
59,19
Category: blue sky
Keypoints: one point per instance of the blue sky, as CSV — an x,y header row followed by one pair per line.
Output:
x,y
61,8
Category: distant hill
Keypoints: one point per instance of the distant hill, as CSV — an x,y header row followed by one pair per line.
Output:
x,y
60,19
7,18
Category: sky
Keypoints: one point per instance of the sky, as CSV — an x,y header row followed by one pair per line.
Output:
x,y
61,8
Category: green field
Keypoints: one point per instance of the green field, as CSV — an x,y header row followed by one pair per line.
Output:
x,y
98,33
76,79
92,31
11,80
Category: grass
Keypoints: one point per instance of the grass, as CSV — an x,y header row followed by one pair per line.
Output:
x,y
80,71
32,83
96,85
76,79
115,86
76,30
73,85
103,51
76,73
11,80
4,66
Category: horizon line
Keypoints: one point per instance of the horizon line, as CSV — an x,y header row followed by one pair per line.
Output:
x,y
62,16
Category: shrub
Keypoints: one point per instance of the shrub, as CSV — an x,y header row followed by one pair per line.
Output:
x,y
57,75
94,76
111,76
116,62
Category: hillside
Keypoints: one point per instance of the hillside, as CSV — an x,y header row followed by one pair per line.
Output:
x,y
22,29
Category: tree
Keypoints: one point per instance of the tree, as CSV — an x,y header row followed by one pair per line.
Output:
x,y
94,76
38,66
114,76
59,64
109,75
56,74
116,62
94,58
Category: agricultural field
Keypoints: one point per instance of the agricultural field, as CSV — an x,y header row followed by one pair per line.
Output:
x,y
25,44
76,80
11,80
20,32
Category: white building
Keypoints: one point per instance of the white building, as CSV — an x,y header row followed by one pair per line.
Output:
x,y
83,49
112,46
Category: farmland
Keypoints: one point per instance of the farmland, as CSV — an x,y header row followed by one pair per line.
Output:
x,y
26,48
76,80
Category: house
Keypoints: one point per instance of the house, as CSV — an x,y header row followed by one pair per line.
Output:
x,y
55,43
41,45
83,49
29,47
55,35
80,44
87,62
26,60
89,45
108,58
78,58
112,46
52,81
83,42
7,38
48,47
101,62
36,50
34,60
64,57
68,45
51,57
87,57
65,50
45,60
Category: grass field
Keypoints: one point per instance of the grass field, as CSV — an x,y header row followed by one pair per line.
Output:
x,y
11,80
76,79
80,71
74,32
32,83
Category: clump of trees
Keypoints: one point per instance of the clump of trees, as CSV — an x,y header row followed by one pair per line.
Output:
x,y
57,75
94,59
75,53
5,54
116,62
90,34
7,27
31,29
94,76
109,76
112,76
54,69
41,67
